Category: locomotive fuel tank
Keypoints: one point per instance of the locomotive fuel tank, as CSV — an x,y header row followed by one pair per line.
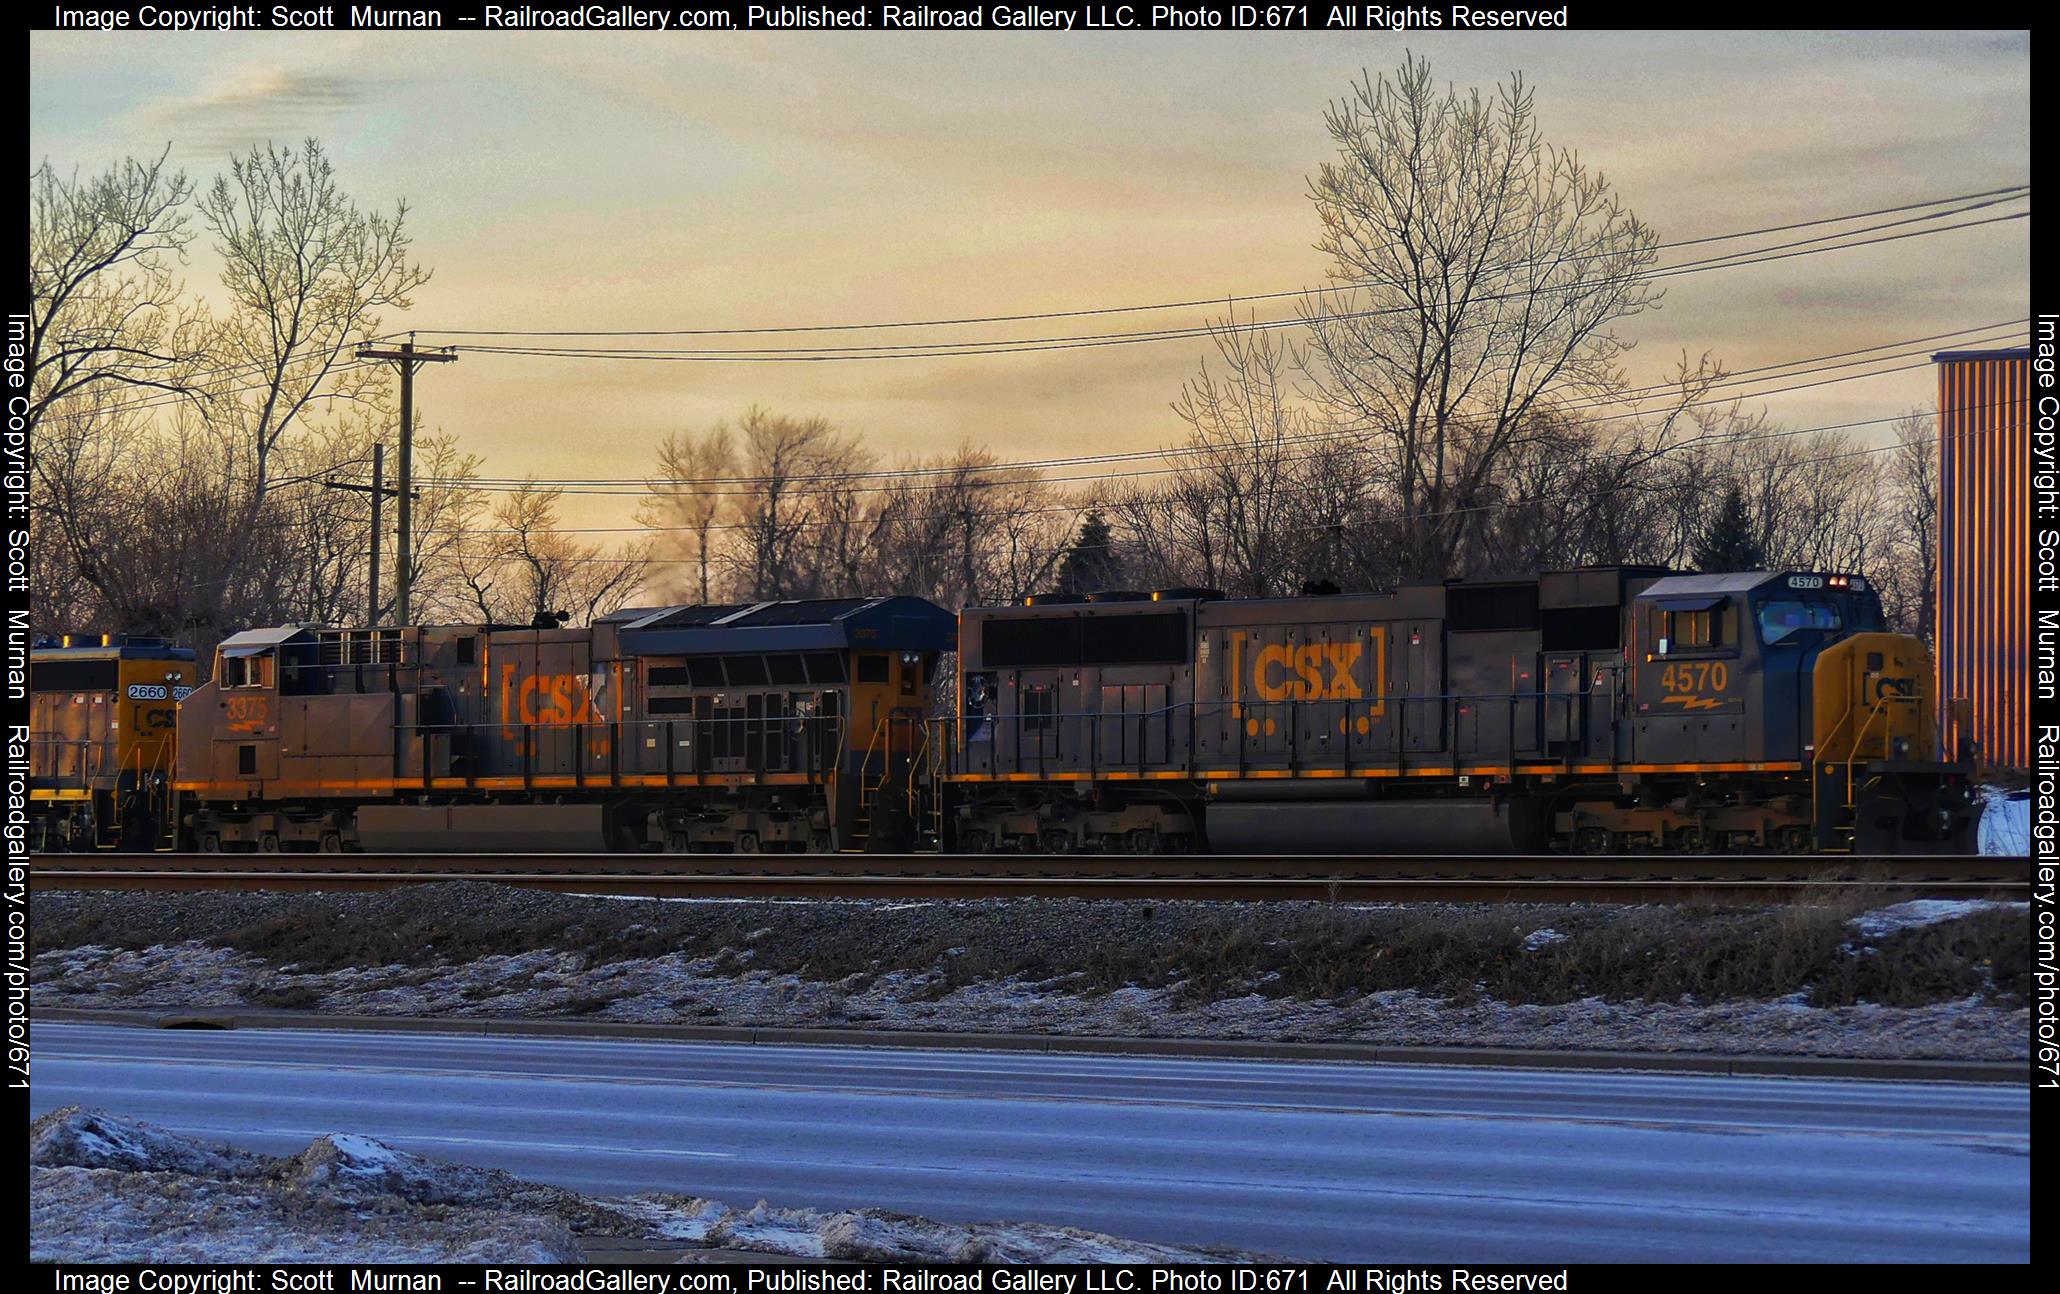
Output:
x,y
1339,817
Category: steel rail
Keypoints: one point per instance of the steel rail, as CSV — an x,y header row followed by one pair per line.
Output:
x,y
1730,878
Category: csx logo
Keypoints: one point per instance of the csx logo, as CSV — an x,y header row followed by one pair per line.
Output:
x,y
1310,672
546,698
1888,687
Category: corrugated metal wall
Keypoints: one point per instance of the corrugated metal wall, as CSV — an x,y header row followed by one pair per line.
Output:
x,y
1984,518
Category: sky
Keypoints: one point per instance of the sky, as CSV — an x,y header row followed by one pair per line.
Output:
x,y
589,180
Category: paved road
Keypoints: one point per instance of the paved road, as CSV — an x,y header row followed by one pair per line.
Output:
x,y
1371,1163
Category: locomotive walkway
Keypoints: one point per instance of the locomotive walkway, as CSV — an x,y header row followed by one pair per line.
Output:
x,y
1645,878
1313,1161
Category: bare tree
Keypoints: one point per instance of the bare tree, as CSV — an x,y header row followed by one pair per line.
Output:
x,y
1911,508
446,513
795,471
104,307
526,570
307,272
690,498
1477,274
1246,434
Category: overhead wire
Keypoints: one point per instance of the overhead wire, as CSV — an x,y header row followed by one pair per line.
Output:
x,y
1193,303
635,486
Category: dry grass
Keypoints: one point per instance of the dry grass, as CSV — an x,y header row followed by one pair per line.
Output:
x,y
1206,952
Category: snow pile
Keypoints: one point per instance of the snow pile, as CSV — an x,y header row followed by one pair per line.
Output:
x,y
1542,939
1918,913
874,1235
108,1189
98,1215
76,1138
878,1235
2006,823
103,1188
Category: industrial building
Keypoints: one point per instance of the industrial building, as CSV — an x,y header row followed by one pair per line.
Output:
x,y
1984,542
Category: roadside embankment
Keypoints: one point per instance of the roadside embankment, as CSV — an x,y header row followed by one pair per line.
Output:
x,y
1843,977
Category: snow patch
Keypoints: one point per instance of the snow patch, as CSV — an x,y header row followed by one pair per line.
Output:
x,y
2006,823
1918,913
1542,939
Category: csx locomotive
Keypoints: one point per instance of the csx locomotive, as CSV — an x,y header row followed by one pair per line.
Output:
x,y
1600,710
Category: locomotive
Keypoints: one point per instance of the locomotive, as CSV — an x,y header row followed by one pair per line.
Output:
x,y
1599,710
101,723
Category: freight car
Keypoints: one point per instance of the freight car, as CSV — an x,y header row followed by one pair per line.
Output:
x,y
1598,710
101,721
774,726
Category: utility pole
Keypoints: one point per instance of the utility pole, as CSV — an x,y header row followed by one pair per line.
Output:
x,y
407,359
378,491
372,580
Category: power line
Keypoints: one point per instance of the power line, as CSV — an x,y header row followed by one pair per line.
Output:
x,y
1082,341
1170,305
637,486
1103,504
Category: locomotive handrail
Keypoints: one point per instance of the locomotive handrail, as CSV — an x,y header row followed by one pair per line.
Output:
x,y
1007,732
1877,710
593,750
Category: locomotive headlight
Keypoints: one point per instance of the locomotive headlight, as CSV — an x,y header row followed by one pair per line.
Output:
x,y
1902,746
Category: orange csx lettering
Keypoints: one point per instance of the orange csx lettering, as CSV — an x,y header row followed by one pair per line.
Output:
x,y
1286,673
553,699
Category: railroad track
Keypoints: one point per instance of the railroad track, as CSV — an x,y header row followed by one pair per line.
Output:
x,y
1501,878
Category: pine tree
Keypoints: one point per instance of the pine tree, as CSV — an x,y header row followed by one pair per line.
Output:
x,y
1727,542
1090,565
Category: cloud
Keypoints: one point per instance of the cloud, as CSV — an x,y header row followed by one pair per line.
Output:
x,y
254,104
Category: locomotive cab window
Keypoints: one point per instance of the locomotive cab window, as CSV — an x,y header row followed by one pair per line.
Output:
x,y
1701,626
246,671
1781,621
1688,630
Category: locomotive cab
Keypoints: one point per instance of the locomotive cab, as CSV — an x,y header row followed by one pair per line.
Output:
x,y
1768,674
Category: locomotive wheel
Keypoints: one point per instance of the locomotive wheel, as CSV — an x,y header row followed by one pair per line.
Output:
x,y
210,842
747,842
332,843
1793,840
268,843
1143,840
818,842
976,842
1057,842
1591,840
678,842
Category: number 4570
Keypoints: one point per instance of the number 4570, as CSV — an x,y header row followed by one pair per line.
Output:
x,y
1696,676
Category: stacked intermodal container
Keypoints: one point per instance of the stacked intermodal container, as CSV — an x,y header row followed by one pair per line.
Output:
x,y
1984,516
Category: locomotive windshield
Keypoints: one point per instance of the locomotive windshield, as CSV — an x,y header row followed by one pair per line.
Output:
x,y
1780,620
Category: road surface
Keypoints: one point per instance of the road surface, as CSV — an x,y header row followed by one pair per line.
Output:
x,y
1311,1161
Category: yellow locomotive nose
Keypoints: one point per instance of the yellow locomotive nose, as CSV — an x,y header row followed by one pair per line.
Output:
x,y
1873,700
